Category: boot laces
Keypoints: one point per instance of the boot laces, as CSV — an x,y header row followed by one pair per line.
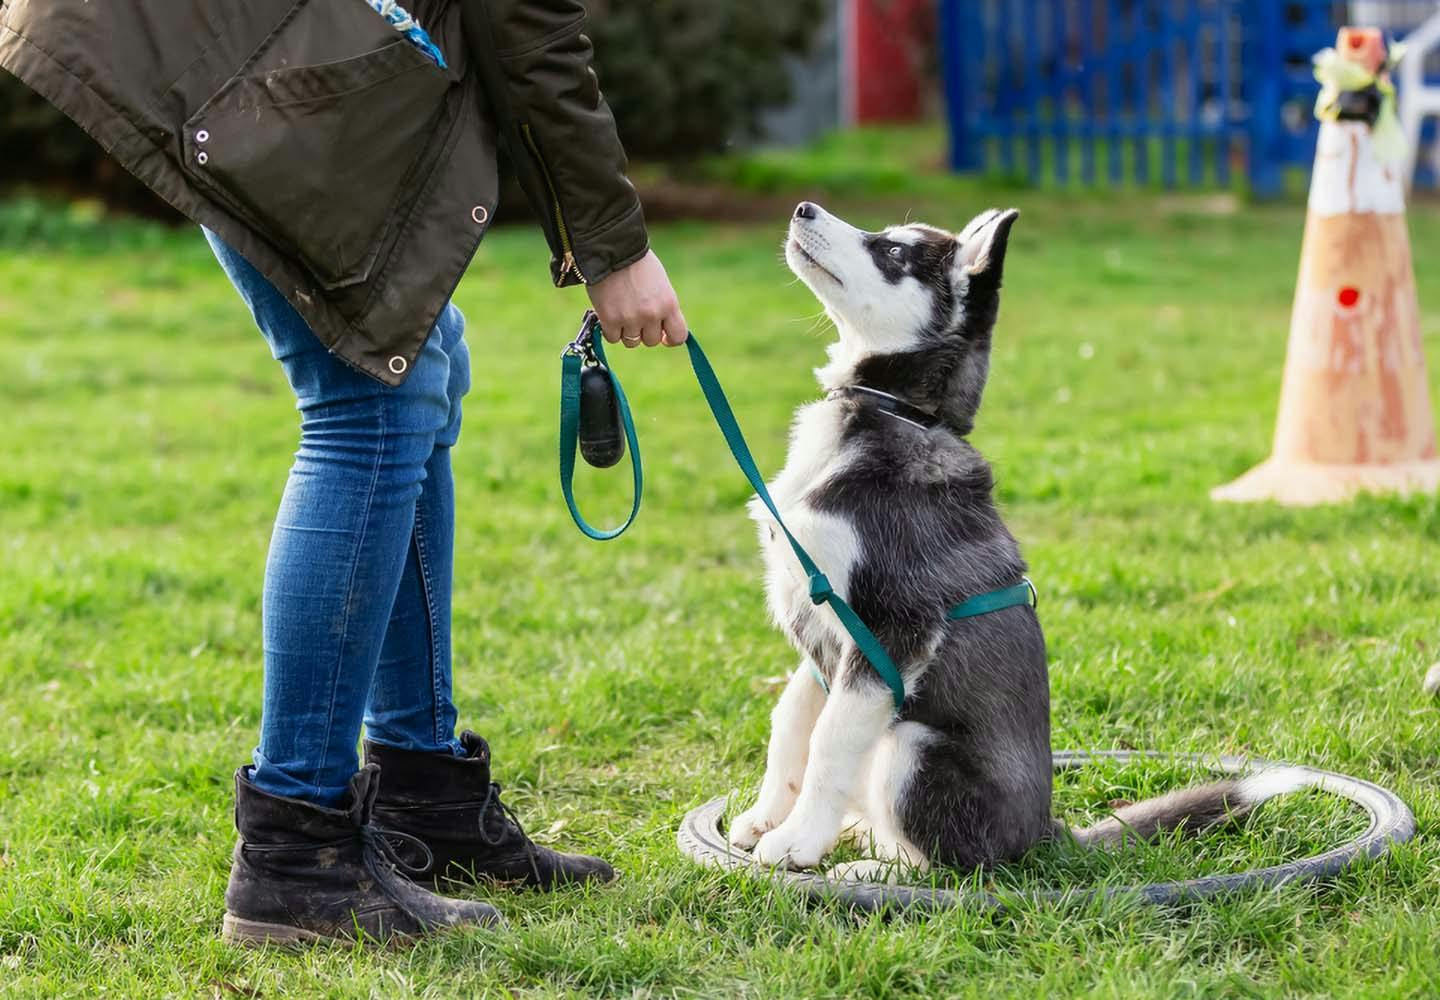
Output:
x,y
510,827
388,844
383,859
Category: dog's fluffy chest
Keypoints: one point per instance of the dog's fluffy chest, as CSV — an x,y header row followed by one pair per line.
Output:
x,y
816,454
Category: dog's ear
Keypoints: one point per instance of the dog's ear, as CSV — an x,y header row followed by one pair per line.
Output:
x,y
982,244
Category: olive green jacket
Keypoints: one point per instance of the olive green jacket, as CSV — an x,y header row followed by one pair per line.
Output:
x,y
335,156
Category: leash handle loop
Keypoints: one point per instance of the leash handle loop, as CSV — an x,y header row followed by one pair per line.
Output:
x,y
588,348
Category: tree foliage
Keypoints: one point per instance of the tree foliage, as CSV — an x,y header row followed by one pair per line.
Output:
x,y
684,77
689,77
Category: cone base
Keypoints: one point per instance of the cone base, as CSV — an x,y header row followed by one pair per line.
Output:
x,y
1304,484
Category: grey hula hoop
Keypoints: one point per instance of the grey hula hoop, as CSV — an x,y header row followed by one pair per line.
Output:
x,y
1391,822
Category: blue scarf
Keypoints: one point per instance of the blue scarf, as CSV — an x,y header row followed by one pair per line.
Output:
x,y
402,22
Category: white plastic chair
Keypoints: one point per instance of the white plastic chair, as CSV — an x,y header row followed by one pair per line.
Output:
x,y
1417,101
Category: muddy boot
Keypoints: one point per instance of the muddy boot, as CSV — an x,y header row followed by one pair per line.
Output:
x,y
304,873
450,805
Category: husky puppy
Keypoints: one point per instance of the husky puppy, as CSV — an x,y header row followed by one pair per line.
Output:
x,y
895,505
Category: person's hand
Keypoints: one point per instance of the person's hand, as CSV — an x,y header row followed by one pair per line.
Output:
x,y
637,305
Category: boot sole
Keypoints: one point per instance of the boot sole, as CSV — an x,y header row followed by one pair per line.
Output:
x,y
259,934
256,933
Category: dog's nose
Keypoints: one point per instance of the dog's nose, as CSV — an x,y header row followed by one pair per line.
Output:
x,y
806,210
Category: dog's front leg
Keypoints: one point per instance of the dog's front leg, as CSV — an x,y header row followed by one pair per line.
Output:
x,y
791,724
856,715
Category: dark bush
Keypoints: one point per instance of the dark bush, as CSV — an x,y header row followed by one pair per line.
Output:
x,y
39,146
688,77
685,77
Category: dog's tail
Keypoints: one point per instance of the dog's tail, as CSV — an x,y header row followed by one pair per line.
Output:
x,y
1192,809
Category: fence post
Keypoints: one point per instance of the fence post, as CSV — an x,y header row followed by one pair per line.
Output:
x,y
1264,69
960,42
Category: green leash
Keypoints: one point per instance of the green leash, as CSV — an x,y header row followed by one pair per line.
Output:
x,y
587,348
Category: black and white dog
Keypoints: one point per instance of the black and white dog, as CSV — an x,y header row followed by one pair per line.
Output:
x,y
887,495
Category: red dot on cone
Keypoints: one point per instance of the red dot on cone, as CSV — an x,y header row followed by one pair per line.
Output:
x,y
1357,40
1348,296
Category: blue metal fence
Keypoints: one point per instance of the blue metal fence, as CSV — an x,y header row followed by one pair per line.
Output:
x,y
1141,91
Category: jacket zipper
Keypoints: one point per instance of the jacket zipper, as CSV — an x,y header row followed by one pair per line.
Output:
x,y
568,263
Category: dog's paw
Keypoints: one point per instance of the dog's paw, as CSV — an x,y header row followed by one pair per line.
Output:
x,y
792,845
747,828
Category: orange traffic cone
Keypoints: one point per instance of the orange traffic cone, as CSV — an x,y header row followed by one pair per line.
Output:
x,y
1355,404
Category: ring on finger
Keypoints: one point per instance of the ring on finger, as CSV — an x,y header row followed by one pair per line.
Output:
x,y
630,341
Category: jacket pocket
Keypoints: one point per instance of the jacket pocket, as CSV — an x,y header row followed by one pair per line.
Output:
x,y
318,157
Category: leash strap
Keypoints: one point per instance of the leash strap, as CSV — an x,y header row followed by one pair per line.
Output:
x,y
820,590
588,348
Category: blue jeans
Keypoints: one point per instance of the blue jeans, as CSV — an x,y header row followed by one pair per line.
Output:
x,y
357,585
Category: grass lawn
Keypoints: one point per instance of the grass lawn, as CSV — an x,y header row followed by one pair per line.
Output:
x,y
147,434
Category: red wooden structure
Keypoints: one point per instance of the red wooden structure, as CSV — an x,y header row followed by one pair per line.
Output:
x,y
887,45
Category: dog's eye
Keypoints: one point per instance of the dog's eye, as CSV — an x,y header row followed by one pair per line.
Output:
x,y
894,251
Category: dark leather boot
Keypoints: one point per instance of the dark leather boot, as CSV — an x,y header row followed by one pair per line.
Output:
x,y
450,805
303,873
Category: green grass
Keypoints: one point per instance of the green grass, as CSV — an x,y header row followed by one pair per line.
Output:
x,y
147,434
